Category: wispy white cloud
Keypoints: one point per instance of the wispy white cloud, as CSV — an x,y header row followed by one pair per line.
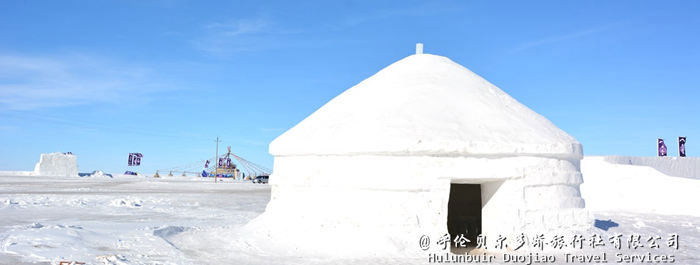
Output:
x,y
271,130
246,34
559,38
368,16
8,128
32,82
251,142
239,27
263,32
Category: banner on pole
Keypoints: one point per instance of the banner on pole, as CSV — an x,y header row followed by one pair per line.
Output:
x,y
206,165
681,146
135,159
662,147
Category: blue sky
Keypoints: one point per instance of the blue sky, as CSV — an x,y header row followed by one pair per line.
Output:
x,y
166,77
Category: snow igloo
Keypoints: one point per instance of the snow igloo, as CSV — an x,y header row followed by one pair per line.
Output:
x,y
423,147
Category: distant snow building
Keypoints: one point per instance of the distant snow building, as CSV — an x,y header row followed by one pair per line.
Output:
x,y
57,164
423,147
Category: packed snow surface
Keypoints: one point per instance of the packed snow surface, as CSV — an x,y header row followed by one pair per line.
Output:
x,y
178,220
120,220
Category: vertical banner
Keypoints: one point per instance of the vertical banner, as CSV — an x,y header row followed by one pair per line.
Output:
x,y
228,162
135,159
221,162
206,164
662,147
681,146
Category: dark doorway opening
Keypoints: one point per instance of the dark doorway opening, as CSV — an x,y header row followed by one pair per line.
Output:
x,y
464,212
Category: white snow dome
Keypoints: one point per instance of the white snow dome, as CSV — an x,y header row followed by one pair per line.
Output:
x,y
423,147
425,105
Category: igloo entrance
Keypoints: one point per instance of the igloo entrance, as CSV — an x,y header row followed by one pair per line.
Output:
x,y
464,211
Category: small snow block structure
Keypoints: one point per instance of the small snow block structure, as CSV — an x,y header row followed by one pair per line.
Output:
x,y
423,147
57,164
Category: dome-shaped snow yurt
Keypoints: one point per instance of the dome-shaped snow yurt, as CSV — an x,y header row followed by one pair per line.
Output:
x,y
423,147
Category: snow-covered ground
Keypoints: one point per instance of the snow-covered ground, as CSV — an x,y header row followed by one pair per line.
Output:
x,y
617,187
121,220
179,220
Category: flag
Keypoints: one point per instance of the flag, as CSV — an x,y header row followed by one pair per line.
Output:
x,y
206,165
662,147
204,173
135,159
681,146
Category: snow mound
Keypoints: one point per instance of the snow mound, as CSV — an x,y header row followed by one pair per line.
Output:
x,y
57,164
113,260
618,187
168,231
96,174
127,202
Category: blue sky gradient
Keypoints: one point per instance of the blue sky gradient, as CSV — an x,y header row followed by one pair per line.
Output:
x,y
165,78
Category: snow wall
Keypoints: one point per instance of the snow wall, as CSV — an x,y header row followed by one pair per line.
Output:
x,y
384,211
684,167
57,164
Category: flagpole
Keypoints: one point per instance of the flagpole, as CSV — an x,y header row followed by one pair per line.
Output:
x,y
216,160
